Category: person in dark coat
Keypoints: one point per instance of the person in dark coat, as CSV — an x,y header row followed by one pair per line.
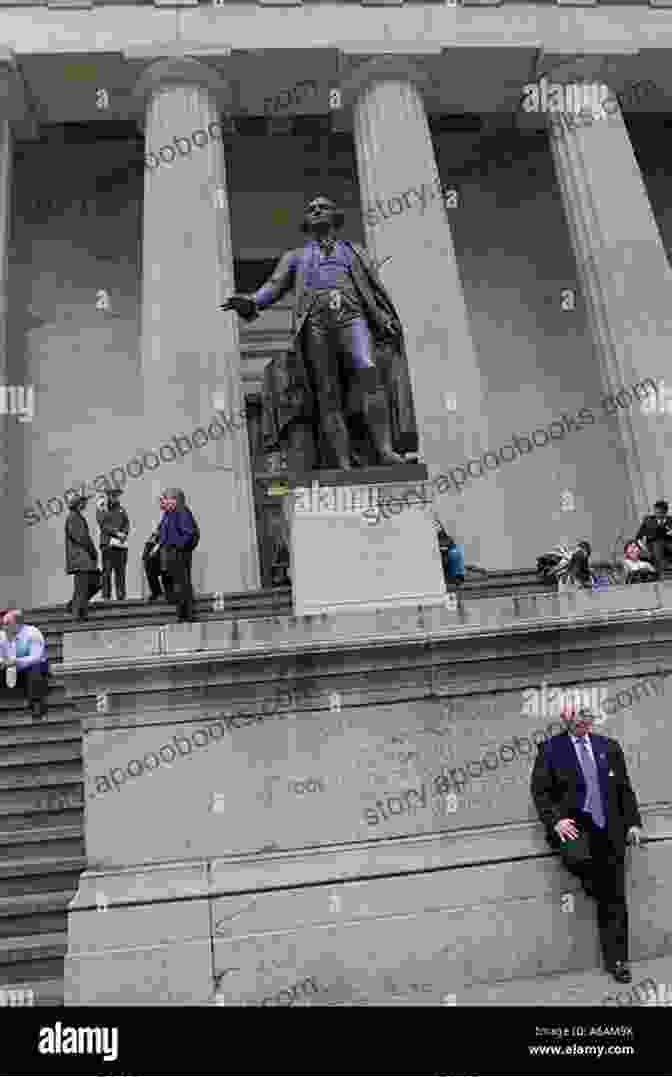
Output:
x,y
114,530
159,584
178,538
81,558
656,532
580,785
348,355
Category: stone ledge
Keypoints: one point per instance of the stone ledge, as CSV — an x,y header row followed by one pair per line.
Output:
x,y
398,626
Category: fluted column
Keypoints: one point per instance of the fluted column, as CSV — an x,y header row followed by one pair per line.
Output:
x,y
11,569
396,158
190,350
626,282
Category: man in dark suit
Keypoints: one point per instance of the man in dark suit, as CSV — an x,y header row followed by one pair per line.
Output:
x,y
348,364
580,784
81,558
114,529
656,531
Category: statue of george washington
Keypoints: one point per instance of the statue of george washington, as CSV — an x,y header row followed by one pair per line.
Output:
x,y
342,396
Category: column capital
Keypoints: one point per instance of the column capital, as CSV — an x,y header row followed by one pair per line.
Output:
x,y
182,71
386,68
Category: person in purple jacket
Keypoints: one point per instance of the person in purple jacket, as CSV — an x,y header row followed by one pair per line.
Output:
x,y
178,537
23,661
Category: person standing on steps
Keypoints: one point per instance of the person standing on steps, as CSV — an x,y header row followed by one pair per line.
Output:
x,y
151,560
582,793
24,667
81,558
114,530
178,537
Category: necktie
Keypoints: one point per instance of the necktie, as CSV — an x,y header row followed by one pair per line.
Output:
x,y
594,796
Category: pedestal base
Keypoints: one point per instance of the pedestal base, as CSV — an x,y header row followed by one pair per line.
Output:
x,y
363,543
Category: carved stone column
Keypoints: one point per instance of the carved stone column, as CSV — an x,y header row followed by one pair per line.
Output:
x,y
12,527
407,229
190,349
626,282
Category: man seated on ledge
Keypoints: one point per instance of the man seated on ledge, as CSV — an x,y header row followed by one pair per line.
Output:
x,y
656,531
23,662
582,793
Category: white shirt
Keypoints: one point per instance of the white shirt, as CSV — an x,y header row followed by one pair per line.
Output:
x,y
28,647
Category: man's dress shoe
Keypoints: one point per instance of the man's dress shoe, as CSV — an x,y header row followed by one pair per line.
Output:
x,y
621,972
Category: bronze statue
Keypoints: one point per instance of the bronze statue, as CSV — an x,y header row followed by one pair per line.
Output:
x,y
342,396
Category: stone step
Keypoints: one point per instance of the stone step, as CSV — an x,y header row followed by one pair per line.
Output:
x,y
57,798
17,713
40,866
39,877
40,732
39,834
62,773
46,992
31,914
63,848
42,754
27,958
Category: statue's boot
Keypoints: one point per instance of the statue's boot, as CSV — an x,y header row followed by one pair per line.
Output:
x,y
377,415
337,438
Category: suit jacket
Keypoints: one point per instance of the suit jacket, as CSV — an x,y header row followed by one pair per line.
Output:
x,y
390,353
654,527
80,553
110,522
559,788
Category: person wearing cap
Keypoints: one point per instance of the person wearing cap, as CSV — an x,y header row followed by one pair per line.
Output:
x,y
656,532
582,793
114,530
24,667
81,558
349,369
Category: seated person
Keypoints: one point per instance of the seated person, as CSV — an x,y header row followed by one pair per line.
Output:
x,y
569,565
656,532
637,568
24,668
579,565
452,557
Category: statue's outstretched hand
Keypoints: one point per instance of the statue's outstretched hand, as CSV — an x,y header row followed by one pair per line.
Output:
x,y
242,304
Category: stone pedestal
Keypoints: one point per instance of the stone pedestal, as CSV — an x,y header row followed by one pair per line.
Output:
x,y
363,539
